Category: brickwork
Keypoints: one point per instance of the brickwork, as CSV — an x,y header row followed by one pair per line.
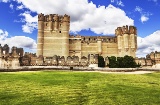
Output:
x,y
54,39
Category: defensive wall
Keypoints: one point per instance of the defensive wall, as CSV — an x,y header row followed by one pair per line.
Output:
x,y
54,39
66,68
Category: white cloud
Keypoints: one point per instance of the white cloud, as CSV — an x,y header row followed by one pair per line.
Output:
x,y
3,34
30,22
84,15
11,6
21,41
118,2
20,7
18,41
154,1
148,44
5,1
144,15
139,9
144,18
112,1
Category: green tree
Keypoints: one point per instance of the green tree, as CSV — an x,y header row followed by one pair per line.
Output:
x,y
120,63
129,62
101,62
112,62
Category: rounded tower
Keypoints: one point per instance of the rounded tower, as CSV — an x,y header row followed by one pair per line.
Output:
x,y
118,33
126,40
40,36
50,22
56,21
65,35
133,39
99,43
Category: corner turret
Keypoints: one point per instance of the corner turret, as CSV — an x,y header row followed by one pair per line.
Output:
x,y
127,40
41,17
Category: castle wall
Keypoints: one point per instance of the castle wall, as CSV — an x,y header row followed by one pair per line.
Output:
x,y
53,44
54,39
53,35
109,49
89,48
75,47
127,41
83,46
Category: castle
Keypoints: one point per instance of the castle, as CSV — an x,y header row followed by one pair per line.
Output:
x,y
56,47
10,60
54,39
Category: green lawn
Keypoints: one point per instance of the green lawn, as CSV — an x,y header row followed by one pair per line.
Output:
x,y
78,88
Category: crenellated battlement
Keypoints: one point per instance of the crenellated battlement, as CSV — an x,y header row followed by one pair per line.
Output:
x,y
126,30
54,22
54,39
94,39
41,17
53,18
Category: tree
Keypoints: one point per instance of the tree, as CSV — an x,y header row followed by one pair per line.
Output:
x,y
112,62
122,62
129,62
101,62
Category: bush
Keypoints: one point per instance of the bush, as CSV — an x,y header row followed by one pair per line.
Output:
x,y
101,62
122,62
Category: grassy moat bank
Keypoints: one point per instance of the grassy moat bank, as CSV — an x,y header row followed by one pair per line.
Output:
x,y
78,88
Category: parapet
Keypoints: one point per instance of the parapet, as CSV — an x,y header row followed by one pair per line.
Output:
x,y
53,17
126,30
94,39
41,17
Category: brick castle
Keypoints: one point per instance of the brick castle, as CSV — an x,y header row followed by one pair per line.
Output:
x,y
54,39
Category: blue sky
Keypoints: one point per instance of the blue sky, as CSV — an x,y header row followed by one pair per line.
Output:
x,y
18,20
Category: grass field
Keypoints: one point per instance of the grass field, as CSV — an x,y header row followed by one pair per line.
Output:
x,y
78,88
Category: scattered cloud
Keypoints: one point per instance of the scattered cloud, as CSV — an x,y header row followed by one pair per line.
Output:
x,y
30,22
18,41
3,34
11,6
144,15
154,1
144,18
5,1
19,7
112,1
118,2
148,44
138,9
84,15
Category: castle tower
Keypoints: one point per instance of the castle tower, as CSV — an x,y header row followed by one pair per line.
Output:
x,y
50,22
15,58
127,40
56,21
118,33
14,53
40,35
0,51
53,35
133,40
1,56
64,28
99,45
